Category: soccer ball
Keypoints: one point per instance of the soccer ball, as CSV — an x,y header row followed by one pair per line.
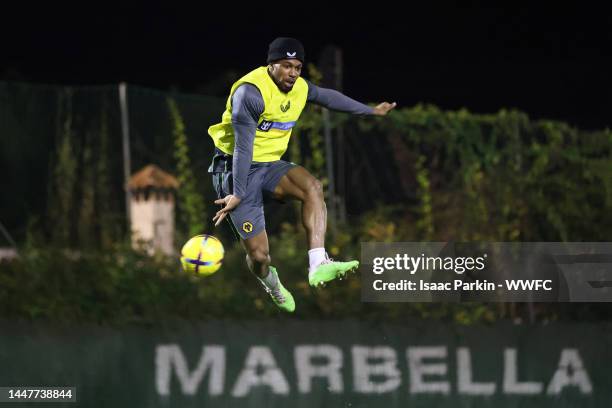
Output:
x,y
202,255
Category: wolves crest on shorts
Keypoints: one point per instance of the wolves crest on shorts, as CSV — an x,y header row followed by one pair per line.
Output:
x,y
247,227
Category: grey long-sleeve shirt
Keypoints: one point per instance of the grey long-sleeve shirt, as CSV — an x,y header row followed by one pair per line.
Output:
x,y
247,107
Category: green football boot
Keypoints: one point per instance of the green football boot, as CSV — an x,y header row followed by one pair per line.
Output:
x,y
329,270
281,296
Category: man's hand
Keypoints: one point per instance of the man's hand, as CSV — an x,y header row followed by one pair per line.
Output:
x,y
230,202
384,108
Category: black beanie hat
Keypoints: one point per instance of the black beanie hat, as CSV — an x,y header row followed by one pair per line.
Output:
x,y
285,48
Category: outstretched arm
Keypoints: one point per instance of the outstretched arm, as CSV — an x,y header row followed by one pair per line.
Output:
x,y
337,101
247,106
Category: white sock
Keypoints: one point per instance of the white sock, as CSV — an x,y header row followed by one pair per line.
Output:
x,y
315,257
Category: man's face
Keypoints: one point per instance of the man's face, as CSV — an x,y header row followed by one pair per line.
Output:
x,y
285,72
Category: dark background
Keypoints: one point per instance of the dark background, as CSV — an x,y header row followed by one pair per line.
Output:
x,y
551,63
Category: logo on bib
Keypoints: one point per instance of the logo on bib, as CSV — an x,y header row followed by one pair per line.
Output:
x,y
286,107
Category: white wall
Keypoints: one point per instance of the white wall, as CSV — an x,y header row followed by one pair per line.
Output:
x,y
153,222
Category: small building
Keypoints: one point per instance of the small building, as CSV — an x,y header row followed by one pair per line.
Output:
x,y
152,193
8,254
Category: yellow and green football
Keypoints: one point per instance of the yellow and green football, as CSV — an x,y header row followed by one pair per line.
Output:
x,y
202,255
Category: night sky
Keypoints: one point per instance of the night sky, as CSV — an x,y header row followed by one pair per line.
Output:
x,y
553,63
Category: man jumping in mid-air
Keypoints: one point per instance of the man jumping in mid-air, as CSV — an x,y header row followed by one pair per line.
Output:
x,y
261,110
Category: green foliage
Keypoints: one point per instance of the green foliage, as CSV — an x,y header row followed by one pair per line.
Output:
x,y
191,204
122,286
62,192
80,212
106,223
86,215
503,177
425,223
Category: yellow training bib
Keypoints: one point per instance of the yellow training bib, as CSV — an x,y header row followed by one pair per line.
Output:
x,y
275,124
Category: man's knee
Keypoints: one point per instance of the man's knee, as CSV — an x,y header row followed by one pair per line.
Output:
x,y
259,255
314,189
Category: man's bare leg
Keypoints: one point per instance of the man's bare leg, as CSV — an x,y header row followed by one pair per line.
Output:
x,y
258,254
258,260
299,184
